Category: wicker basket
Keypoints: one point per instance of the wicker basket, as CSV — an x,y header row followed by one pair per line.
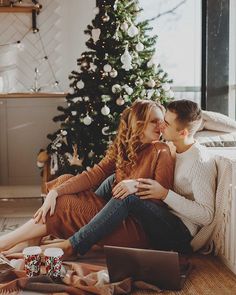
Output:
x,y
5,2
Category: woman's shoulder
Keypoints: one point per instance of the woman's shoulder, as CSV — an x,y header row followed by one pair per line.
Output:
x,y
160,146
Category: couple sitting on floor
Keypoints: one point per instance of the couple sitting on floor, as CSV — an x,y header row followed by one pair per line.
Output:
x,y
148,196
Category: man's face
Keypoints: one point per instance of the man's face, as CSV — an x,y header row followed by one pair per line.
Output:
x,y
169,127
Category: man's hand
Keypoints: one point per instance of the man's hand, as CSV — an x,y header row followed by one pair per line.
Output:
x,y
151,189
125,188
49,204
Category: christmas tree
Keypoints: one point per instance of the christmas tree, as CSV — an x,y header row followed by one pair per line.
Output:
x,y
120,67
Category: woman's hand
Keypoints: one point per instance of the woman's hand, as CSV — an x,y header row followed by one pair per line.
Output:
x,y
49,204
125,188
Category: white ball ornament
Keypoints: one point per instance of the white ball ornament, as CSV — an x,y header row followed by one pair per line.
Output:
x,y
120,101
64,132
113,73
86,98
105,110
96,10
71,90
133,31
124,27
80,84
107,68
139,46
116,88
151,83
73,113
87,120
166,86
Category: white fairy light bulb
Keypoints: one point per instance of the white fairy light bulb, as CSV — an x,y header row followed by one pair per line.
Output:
x,y
107,68
105,110
80,84
87,120
133,31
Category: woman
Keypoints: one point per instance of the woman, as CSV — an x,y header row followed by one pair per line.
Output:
x,y
135,153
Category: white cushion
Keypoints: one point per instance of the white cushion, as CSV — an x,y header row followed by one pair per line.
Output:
x,y
218,122
216,138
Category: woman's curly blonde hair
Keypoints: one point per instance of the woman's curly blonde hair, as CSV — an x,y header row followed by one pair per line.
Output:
x,y
128,140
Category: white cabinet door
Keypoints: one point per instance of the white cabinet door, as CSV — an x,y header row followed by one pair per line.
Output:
x,y
26,123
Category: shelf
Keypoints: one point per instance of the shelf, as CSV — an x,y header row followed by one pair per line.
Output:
x,y
18,9
33,95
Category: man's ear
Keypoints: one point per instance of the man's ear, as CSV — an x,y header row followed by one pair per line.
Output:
x,y
184,132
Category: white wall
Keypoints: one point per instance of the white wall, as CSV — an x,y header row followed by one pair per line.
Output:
x,y
75,18
61,24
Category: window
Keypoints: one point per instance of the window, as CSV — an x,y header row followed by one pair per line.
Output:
x,y
178,26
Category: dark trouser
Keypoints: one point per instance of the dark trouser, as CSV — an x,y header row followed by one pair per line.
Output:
x,y
165,230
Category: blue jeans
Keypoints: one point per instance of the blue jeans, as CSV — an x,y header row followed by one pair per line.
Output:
x,y
165,230
105,189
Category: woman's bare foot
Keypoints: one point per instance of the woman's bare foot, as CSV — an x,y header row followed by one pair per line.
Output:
x,y
64,245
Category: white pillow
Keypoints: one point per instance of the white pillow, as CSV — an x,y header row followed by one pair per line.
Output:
x,y
218,122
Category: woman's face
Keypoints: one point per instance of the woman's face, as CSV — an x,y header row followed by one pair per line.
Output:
x,y
152,130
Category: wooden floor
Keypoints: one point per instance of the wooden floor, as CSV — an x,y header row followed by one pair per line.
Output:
x,y
208,277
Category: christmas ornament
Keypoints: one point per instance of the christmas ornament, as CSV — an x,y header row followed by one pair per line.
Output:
x,y
105,18
53,164
105,110
151,62
158,94
104,130
139,46
76,99
120,101
73,113
58,145
86,98
126,59
40,164
96,10
128,89
166,86
107,68
124,27
139,82
150,93
126,98
96,34
91,154
64,132
75,160
151,83
116,88
170,94
113,73
87,120
84,64
133,31
80,84
93,67
71,90
105,97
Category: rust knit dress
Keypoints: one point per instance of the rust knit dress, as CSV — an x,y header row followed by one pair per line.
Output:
x,y
77,204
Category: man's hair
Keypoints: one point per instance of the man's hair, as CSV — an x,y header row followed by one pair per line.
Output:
x,y
189,114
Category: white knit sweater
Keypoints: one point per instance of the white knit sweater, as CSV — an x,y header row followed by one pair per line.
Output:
x,y
193,197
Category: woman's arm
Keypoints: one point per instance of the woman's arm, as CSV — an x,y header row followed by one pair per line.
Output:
x,y
87,179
